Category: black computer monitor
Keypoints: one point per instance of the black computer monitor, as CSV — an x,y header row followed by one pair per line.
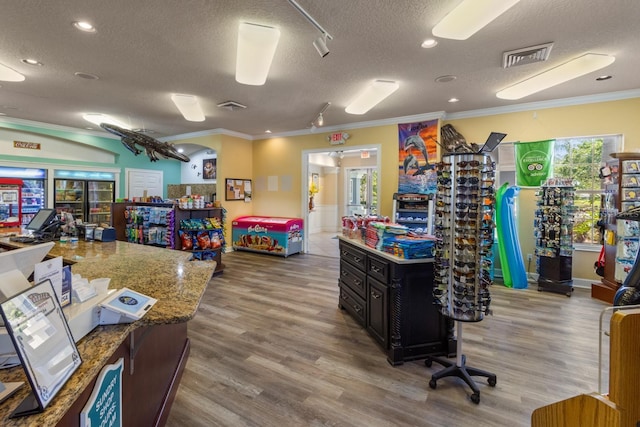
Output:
x,y
41,220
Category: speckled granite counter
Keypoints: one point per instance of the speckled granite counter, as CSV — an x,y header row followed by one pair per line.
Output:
x,y
167,275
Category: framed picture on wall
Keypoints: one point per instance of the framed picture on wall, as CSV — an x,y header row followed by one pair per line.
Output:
x,y
209,169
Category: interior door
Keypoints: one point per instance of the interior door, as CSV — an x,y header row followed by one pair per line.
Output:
x,y
140,181
362,191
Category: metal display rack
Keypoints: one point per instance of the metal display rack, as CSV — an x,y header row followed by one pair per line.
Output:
x,y
464,225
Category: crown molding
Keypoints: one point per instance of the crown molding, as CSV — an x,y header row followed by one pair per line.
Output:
x,y
58,128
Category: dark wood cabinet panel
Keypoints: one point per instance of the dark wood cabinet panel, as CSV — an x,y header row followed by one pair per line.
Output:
x,y
397,307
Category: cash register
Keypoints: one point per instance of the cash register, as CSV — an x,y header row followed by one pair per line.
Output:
x,y
42,227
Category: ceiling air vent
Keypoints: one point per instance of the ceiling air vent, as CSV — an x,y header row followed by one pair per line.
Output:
x,y
526,55
232,105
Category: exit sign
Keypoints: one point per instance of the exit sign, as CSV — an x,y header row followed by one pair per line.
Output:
x,y
338,138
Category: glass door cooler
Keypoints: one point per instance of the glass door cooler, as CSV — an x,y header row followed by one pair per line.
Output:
x,y
100,195
70,196
10,202
34,189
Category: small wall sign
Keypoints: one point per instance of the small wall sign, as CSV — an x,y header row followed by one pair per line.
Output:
x,y
26,145
104,407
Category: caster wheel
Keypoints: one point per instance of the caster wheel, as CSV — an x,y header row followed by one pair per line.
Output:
x,y
433,384
428,363
475,398
492,381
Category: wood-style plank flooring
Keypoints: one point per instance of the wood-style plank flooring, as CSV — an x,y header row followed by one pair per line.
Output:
x,y
270,347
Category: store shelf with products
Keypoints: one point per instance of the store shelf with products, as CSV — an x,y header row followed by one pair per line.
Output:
x,y
414,211
553,231
200,231
621,192
169,226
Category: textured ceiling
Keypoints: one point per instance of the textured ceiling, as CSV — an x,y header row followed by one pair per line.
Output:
x,y
145,50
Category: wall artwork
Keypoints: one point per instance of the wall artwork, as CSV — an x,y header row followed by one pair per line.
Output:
x,y
209,168
417,154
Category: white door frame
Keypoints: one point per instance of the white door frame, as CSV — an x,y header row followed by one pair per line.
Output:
x,y
304,179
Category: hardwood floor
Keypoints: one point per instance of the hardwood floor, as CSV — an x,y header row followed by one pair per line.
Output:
x,y
271,348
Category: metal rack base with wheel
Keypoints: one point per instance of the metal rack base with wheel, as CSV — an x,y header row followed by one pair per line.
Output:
x,y
460,369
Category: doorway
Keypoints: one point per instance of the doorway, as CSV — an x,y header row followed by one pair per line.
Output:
x,y
347,177
361,191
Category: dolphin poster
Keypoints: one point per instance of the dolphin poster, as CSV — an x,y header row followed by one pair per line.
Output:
x,y
417,155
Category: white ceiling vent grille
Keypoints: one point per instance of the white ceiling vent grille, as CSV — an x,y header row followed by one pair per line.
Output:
x,y
526,55
232,105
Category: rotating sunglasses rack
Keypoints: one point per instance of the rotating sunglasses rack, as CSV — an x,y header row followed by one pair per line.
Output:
x,y
464,226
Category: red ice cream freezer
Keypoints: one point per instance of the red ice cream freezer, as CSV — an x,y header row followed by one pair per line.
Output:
x,y
272,235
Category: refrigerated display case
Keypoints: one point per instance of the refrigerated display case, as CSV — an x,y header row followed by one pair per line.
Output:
x,y
33,198
100,196
88,201
10,202
34,185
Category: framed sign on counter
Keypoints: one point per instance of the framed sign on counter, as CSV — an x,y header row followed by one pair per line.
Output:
x,y
238,189
43,341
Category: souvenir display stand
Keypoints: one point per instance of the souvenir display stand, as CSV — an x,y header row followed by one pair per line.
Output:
x,y
464,225
621,184
553,230
414,211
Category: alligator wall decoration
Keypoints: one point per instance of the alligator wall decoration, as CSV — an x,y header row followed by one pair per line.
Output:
x,y
151,146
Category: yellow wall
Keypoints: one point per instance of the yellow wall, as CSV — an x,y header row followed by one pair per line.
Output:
x,y
615,117
281,157
234,160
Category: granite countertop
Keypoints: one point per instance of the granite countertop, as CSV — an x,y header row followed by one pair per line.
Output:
x,y
390,257
167,275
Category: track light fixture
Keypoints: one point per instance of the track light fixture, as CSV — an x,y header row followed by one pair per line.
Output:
x,y
321,42
319,120
321,45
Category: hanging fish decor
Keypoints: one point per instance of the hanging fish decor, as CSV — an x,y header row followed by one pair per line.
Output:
x,y
152,146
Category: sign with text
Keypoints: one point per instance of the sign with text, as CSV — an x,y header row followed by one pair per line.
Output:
x,y
104,408
27,145
338,138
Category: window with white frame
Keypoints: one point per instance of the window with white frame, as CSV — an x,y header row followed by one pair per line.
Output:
x,y
581,159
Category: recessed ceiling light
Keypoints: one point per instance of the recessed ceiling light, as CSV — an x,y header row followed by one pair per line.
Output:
x,y
86,76
30,61
98,118
84,26
453,100
429,43
267,131
445,79
602,78
180,150
3,114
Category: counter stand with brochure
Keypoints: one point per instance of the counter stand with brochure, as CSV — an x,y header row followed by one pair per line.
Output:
x,y
43,341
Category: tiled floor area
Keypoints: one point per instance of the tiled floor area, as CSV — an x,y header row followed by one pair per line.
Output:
x,y
324,244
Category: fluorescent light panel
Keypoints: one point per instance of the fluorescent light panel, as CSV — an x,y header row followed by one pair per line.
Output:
x,y
97,118
9,75
256,47
372,96
575,68
189,107
469,17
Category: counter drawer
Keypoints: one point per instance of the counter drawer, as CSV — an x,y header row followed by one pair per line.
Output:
x,y
354,256
378,268
353,278
353,304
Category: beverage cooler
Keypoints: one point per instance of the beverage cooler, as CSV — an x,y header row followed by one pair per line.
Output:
x,y
34,185
10,202
87,200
